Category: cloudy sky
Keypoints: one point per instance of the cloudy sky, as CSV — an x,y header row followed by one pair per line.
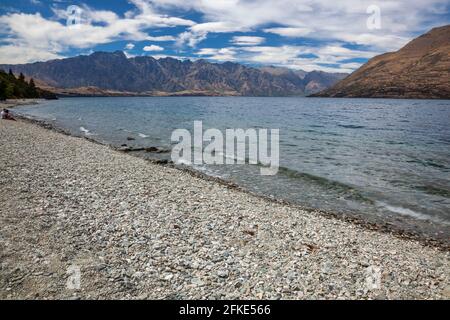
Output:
x,y
323,35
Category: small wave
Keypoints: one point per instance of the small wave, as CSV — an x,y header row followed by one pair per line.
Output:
x,y
183,162
346,190
411,213
427,163
432,163
351,126
86,131
233,157
286,144
437,191
208,171
125,130
395,142
142,135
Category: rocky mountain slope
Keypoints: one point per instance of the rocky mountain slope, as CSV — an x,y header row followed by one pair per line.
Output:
x,y
104,72
421,69
313,81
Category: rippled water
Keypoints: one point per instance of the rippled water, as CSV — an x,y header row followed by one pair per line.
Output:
x,y
380,158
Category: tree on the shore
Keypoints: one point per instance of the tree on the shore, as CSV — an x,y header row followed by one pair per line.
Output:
x,y
31,91
2,90
18,92
9,91
17,88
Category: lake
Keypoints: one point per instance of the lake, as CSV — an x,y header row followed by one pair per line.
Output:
x,y
382,159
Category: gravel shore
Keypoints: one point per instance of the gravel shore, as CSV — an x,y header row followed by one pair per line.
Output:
x,y
11,103
136,230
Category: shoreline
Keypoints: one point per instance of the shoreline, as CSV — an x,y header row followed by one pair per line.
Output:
x,y
138,229
12,103
354,218
145,231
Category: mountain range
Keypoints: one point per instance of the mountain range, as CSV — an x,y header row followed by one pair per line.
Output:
x,y
112,73
421,69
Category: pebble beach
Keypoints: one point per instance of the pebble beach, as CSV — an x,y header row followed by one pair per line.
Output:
x,y
138,230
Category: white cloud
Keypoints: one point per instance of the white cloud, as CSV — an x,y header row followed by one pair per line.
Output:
x,y
164,56
218,26
328,58
351,66
129,46
334,23
344,20
199,32
383,42
289,32
273,55
223,54
35,34
190,38
247,40
11,54
161,38
153,48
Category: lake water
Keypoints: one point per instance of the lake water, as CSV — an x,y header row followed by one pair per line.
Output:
x,y
382,159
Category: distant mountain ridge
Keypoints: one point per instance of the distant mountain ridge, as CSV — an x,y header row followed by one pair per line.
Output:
x,y
114,72
421,69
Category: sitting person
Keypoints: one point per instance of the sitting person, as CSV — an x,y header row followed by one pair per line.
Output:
x,y
6,115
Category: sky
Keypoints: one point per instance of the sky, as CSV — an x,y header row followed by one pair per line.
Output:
x,y
332,36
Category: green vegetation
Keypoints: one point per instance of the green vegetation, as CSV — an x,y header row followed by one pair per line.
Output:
x,y
18,88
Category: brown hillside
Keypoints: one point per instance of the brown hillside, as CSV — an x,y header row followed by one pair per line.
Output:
x,y
421,69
